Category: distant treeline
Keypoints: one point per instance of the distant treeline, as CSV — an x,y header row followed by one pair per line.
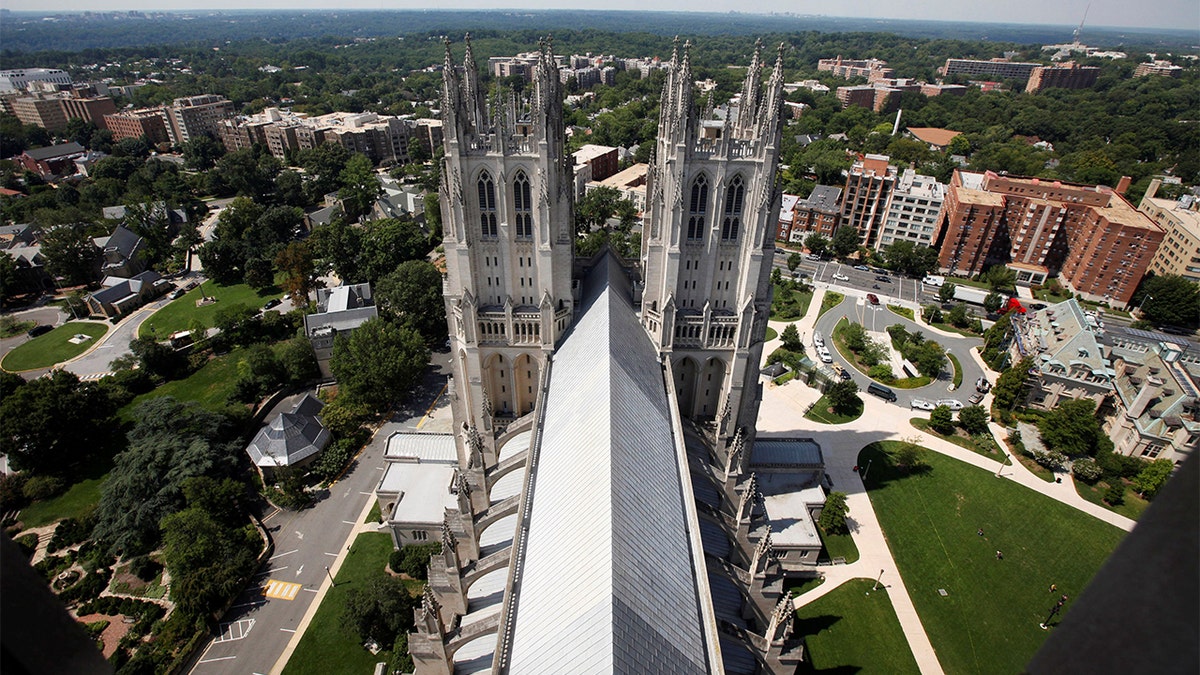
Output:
x,y
23,32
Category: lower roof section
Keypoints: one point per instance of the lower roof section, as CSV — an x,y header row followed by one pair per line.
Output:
x,y
607,583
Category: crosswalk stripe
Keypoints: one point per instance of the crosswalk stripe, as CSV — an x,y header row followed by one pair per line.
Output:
x,y
281,590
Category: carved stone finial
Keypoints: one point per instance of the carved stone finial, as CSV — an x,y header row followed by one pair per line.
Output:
x,y
449,542
487,405
464,488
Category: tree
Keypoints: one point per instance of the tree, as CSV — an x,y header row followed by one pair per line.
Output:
x,y
202,152
776,276
158,359
999,277
250,172
388,242
791,339
10,283
51,423
845,241
946,292
379,363
1152,478
299,267
1072,428
71,254
973,419
900,254
941,420
207,560
299,360
928,356
360,187
817,244
411,296
993,302
958,316
1087,470
833,515
381,610
793,261
324,165
1010,386
595,208
843,396
1169,299
339,246
856,337
910,456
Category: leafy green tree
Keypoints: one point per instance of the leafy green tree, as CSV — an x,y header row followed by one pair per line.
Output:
x,y
1087,470
380,610
1010,386
776,276
360,187
411,296
1169,299
973,419
845,241
793,261
791,339
817,244
843,396
259,372
324,165
250,172
833,514
339,246
10,282
595,208
856,336
289,189
202,152
52,423
1153,477
929,357
208,561
999,278
958,316
433,216
297,263
946,292
1072,428
910,456
298,360
993,302
71,254
158,359
941,420
379,363
223,260
388,242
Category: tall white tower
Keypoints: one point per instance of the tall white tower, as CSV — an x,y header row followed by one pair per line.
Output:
x,y
707,248
506,200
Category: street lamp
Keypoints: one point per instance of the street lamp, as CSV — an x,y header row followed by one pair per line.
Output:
x,y
864,473
876,586
1143,303
335,583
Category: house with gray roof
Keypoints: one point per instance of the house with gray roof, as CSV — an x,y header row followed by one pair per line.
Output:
x,y
1068,359
121,251
291,439
121,295
1156,403
339,310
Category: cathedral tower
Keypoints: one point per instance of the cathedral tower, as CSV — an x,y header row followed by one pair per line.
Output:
x,y
506,200
707,246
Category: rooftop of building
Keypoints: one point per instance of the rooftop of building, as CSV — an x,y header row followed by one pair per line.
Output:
x,y
933,135
1062,340
876,165
914,184
290,437
823,198
1181,211
588,152
632,177
1156,389
403,446
787,498
423,491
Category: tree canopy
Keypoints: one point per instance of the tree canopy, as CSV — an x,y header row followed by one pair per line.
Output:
x,y
378,364
411,297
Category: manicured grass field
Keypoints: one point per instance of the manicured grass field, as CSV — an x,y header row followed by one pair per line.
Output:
x,y
853,629
902,311
802,586
771,334
958,371
830,301
820,413
839,546
77,502
985,447
53,347
988,621
210,386
1131,507
180,314
328,640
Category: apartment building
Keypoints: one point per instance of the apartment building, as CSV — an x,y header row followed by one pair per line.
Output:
x,y
820,213
146,122
46,113
1098,244
382,138
869,184
18,79
1180,221
193,116
1001,69
871,69
1158,67
1069,75
914,210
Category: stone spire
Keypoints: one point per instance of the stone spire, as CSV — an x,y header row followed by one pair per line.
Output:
x,y
781,620
768,115
451,94
471,92
431,613
749,497
762,556
751,90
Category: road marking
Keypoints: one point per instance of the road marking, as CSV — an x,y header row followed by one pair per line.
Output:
x,y
349,522
299,534
366,493
235,630
333,554
288,630
310,590
219,658
300,570
280,555
281,590
432,406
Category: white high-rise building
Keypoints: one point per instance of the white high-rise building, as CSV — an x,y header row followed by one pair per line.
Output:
x,y
914,209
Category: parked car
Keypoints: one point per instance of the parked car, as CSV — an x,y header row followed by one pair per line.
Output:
x,y
872,298
863,268
975,398
922,404
826,357
177,294
982,385
271,304
39,330
840,371
818,339
812,256
883,279
840,277
801,275
950,403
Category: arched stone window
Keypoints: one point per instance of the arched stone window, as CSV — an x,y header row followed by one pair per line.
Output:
x,y
522,206
732,221
487,206
697,209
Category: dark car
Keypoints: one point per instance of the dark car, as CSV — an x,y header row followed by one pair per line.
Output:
x,y
884,279
271,304
872,298
39,330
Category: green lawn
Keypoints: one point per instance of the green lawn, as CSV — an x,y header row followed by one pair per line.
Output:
x,y
771,334
958,371
180,314
902,311
953,329
77,502
820,413
1132,507
795,308
853,629
988,621
799,587
10,326
983,446
328,640
831,300
210,386
839,546
53,347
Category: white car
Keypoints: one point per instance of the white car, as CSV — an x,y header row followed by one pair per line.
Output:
x,y
840,277
950,403
826,357
922,404
818,340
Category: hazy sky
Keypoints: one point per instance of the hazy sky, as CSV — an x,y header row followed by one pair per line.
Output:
x,y
1183,14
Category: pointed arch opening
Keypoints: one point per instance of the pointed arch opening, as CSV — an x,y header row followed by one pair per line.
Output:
x,y
731,222
697,209
487,205
522,206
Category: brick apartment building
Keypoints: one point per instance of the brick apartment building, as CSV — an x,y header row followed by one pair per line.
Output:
x,y
871,69
146,122
1000,69
868,189
819,213
1069,75
1095,240
193,116
379,137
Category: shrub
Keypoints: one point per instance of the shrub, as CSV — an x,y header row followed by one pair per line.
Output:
x,y
881,372
973,419
68,533
1087,470
144,568
88,588
413,559
833,515
27,544
941,420
42,487
932,314
1051,459
1115,494
12,492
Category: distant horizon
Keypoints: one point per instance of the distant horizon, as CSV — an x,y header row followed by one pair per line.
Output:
x,y
1167,15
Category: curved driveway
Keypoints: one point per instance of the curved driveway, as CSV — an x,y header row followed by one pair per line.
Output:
x,y
877,318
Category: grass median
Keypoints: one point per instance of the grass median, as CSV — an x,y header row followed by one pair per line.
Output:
x,y
180,314
988,620
54,347
854,629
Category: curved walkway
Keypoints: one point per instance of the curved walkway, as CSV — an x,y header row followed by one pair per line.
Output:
x,y
782,413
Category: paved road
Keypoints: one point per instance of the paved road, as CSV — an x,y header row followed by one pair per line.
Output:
x,y
877,318
257,629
